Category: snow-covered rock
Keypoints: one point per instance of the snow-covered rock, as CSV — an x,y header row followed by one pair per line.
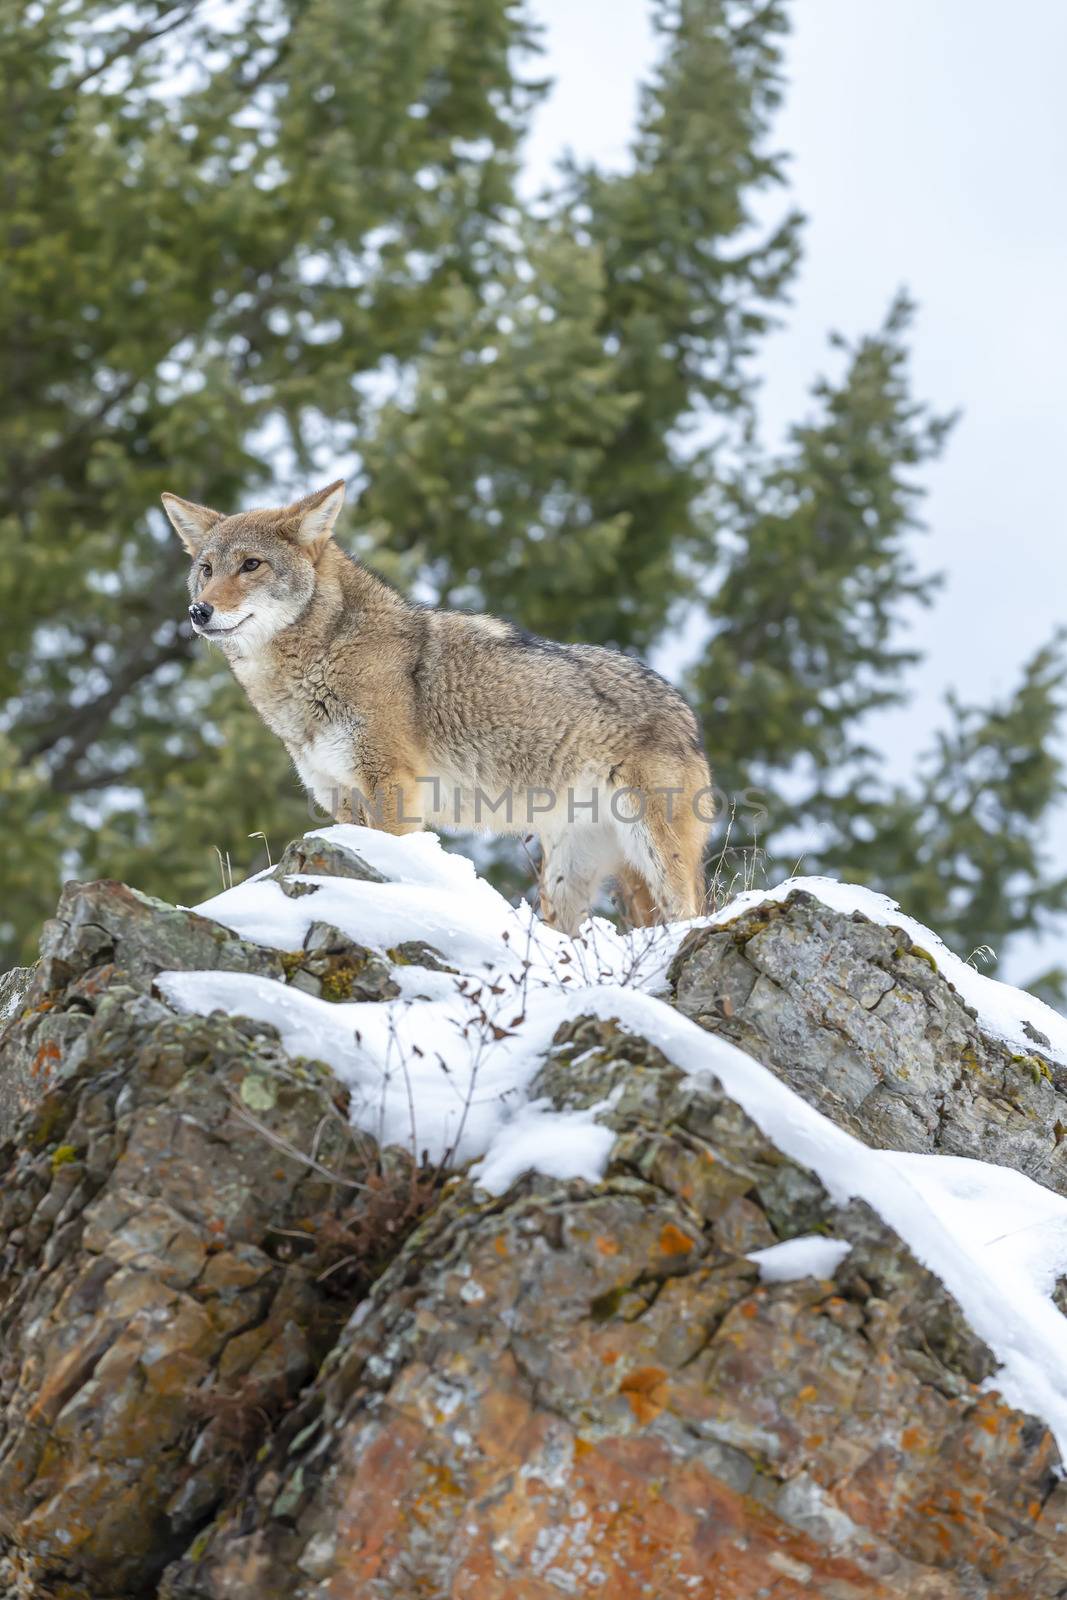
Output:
x,y
698,1229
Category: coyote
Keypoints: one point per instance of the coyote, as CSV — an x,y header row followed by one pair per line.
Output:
x,y
399,715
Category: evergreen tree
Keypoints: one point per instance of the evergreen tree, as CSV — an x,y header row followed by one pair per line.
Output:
x,y
816,580
478,486
244,242
816,572
965,848
216,220
544,464
691,279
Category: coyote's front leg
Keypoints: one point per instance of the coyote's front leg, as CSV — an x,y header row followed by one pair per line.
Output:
x,y
393,801
374,795
339,801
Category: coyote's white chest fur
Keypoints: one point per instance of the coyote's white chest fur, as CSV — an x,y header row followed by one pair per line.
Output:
x,y
401,716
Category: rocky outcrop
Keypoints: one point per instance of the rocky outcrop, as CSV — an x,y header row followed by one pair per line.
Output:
x,y
244,1352
152,1300
99,930
858,1020
163,1241
581,1390
105,932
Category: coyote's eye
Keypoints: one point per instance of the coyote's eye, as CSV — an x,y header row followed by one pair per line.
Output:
x,y
205,568
251,564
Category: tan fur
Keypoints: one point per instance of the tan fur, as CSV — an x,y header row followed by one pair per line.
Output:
x,y
371,694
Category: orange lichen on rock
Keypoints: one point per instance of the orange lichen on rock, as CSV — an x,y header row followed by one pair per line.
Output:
x,y
646,1390
673,1242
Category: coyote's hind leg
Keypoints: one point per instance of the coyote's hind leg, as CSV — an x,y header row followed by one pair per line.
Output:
x,y
636,901
663,845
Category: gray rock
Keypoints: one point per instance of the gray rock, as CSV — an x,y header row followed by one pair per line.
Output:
x,y
335,967
102,930
104,939
321,858
104,925
858,1020
14,986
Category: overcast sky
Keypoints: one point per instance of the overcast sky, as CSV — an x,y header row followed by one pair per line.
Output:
x,y
929,146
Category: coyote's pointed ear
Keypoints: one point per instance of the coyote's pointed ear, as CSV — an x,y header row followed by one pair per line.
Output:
x,y
312,519
192,523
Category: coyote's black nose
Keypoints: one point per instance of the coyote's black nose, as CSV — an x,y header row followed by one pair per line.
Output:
x,y
200,612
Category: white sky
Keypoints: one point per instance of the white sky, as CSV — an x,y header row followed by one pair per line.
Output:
x,y
929,145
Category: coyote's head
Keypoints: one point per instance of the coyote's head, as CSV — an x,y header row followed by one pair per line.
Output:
x,y
253,574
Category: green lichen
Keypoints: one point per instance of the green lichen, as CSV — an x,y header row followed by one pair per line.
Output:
x,y
305,1436
51,1120
258,1092
289,1500
292,961
338,983
1034,1067
199,1546
63,1156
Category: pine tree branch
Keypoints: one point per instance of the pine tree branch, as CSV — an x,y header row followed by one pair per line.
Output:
x,y
82,724
80,433
68,783
249,85
133,42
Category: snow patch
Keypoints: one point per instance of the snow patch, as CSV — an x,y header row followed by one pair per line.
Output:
x,y
561,1144
810,1255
